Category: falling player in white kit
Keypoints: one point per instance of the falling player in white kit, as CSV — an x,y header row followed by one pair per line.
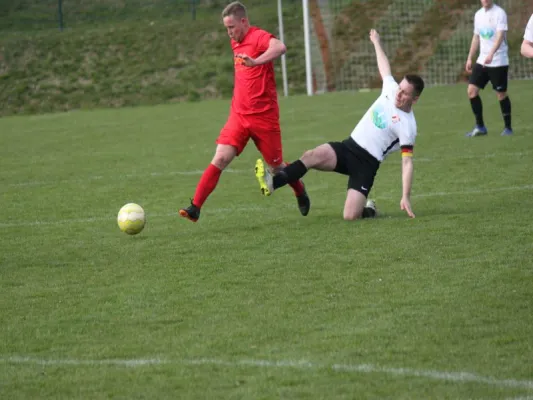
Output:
x,y
492,64
527,45
388,125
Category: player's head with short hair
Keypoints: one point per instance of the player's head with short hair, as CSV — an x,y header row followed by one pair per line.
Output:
x,y
409,90
417,82
235,20
487,3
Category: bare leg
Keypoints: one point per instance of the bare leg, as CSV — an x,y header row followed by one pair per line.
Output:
x,y
354,205
322,158
224,154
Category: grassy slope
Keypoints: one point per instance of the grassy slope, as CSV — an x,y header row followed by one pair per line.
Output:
x,y
132,62
121,52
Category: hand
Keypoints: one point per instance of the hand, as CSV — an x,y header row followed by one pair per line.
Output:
x,y
468,66
374,36
405,204
246,60
488,59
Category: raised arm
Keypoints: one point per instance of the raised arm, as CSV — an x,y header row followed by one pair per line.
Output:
x,y
383,61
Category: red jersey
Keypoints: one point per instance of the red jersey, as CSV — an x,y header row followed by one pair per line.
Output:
x,y
255,87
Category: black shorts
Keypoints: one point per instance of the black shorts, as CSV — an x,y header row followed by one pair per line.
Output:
x,y
498,76
357,163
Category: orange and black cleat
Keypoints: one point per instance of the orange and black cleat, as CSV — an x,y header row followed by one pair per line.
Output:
x,y
192,212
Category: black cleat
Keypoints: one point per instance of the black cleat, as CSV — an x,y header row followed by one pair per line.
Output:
x,y
192,212
304,203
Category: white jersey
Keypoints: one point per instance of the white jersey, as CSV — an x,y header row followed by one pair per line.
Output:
x,y
487,23
385,128
528,35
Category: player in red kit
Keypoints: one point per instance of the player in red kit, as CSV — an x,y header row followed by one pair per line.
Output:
x,y
254,110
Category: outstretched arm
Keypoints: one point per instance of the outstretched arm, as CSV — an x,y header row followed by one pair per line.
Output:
x,y
383,61
407,181
275,49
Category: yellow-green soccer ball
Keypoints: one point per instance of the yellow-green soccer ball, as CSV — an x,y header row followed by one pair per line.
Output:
x,y
131,219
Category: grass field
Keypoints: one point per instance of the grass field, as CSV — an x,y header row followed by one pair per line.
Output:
x,y
255,301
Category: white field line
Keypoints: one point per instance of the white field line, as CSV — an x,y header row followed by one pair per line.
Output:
x,y
520,398
230,170
226,210
118,177
475,191
461,377
215,211
458,193
472,156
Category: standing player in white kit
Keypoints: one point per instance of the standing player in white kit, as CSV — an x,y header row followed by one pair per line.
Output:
x,y
490,30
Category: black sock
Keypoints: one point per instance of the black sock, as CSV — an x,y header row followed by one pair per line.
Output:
x,y
291,173
505,106
369,212
477,108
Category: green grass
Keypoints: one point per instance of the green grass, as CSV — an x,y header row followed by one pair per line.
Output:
x,y
255,301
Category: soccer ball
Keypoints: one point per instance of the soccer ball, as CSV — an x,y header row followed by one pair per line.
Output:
x,y
131,219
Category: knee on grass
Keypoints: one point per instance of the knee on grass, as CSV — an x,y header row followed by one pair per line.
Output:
x,y
352,215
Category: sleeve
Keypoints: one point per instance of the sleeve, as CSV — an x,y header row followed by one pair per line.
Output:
x,y
263,40
529,30
476,27
389,85
407,136
501,22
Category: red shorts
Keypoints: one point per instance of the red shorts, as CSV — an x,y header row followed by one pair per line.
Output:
x,y
262,128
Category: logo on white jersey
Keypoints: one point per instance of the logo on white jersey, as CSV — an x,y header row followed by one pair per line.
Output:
x,y
395,118
486,33
379,118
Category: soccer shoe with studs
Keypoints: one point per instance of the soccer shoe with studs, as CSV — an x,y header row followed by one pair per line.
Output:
x,y
192,212
264,177
477,131
507,132
304,203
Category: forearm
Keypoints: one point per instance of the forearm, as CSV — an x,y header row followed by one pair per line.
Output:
x,y
527,49
383,61
499,39
407,175
473,47
275,49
